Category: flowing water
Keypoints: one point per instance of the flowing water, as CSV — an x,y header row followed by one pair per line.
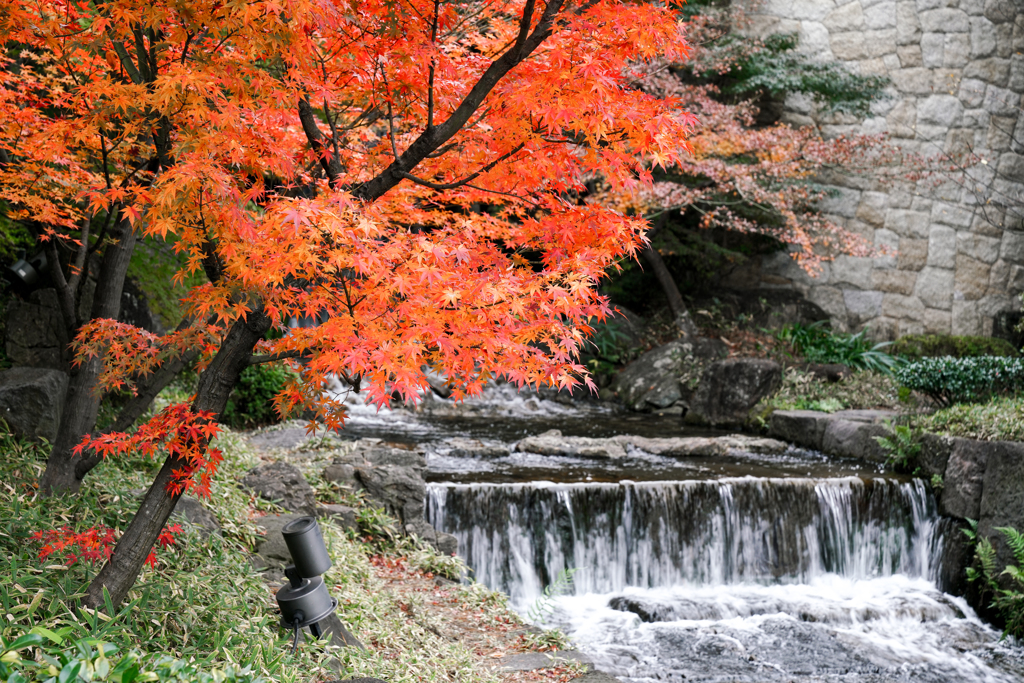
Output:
x,y
737,567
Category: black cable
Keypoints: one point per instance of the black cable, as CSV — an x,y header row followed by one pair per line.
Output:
x,y
295,627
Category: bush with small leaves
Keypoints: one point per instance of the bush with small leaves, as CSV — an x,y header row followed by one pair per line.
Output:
x,y
917,346
252,401
949,380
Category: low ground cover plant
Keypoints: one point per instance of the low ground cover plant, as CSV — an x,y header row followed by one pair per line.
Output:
x,y
88,659
949,381
999,419
202,612
801,390
917,346
817,343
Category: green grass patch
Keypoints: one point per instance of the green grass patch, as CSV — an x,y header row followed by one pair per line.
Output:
x,y
859,390
1000,419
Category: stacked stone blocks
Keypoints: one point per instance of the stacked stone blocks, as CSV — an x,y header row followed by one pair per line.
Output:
x,y
956,258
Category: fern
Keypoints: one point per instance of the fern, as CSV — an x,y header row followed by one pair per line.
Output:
x,y
1015,540
1008,602
542,608
971,532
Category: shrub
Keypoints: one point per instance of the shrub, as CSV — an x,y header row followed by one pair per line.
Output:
x,y
252,401
951,380
917,346
803,391
819,344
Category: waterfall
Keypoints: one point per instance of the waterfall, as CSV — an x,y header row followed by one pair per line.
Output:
x,y
518,537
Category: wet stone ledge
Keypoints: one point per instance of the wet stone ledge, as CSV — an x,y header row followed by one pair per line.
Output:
x,y
972,479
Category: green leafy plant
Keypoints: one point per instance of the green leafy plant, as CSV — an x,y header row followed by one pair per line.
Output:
x,y
252,401
547,639
902,446
949,380
917,346
817,343
803,391
58,660
999,419
777,68
1007,597
377,526
544,605
610,346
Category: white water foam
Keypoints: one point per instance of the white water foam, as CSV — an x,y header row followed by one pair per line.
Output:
x,y
891,628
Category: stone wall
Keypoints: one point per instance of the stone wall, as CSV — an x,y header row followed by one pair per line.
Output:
x,y
957,74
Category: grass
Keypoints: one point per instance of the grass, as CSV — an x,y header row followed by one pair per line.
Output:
x,y
1000,419
859,390
203,603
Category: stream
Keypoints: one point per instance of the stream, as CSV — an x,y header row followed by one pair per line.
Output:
x,y
786,566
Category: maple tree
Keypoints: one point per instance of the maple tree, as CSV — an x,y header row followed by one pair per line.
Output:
x,y
405,172
746,173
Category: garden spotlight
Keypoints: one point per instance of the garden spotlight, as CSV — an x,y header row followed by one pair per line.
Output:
x,y
305,600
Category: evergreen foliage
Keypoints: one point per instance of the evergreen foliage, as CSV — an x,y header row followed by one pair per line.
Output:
x,y
949,380
916,346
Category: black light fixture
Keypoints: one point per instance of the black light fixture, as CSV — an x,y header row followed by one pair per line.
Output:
x,y
26,273
305,600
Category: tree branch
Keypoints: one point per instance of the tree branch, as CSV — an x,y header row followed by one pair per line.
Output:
x,y
272,357
330,162
429,140
64,293
468,179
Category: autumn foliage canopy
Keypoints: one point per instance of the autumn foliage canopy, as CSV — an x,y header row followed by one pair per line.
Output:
x,y
406,173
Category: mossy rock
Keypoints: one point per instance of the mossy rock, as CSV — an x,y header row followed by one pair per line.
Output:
x,y
915,346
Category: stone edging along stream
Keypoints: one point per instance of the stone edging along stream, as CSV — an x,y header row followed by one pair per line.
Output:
x,y
981,480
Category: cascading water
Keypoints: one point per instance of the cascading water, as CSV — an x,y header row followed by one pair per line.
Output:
x,y
783,566
692,532
738,579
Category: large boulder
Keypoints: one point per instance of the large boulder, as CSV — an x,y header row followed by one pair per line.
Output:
x,y
32,400
729,389
190,510
802,427
392,476
964,478
36,334
652,380
1002,499
283,484
661,377
271,549
854,439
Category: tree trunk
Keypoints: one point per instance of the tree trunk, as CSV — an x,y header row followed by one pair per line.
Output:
x,y
135,407
668,284
215,384
82,403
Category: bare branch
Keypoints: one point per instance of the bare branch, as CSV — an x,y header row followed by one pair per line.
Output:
x,y
273,357
467,179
